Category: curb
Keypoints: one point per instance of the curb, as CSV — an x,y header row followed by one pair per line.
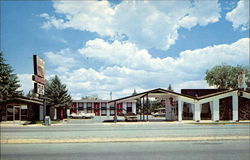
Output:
x,y
113,140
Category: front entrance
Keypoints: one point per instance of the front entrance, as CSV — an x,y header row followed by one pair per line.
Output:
x,y
13,113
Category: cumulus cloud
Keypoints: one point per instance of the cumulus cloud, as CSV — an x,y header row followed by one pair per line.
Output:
x,y
128,55
129,68
240,15
148,24
64,59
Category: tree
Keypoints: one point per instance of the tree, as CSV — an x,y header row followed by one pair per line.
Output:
x,y
9,82
57,93
31,94
134,93
225,76
170,87
93,97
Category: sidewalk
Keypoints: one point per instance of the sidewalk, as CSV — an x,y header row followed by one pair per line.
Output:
x,y
111,140
91,122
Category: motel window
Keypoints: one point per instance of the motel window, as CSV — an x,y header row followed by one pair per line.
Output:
x,y
104,105
80,106
89,104
129,104
104,112
112,112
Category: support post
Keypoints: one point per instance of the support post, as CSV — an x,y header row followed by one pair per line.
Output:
x,y
180,106
216,110
143,104
197,112
140,107
211,109
115,117
235,107
147,106
44,107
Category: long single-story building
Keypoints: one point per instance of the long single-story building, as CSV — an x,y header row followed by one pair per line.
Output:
x,y
102,107
179,106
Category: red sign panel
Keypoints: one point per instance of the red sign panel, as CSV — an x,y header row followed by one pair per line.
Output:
x,y
38,66
38,79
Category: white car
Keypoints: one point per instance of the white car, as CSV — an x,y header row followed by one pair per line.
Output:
x,y
79,115
89,115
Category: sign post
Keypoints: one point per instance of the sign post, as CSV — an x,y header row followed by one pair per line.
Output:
x,y
39,79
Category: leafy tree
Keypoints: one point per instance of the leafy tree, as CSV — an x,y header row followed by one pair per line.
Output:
x,y
225,76
9,82
57,93
170,87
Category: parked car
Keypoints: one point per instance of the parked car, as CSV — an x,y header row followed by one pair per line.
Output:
x,y
77,116
89,115
130,117
160,112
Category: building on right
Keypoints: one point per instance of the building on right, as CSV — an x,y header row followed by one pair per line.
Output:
x,y
227,104
194,104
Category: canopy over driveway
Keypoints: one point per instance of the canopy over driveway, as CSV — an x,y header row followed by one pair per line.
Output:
x,y
174,103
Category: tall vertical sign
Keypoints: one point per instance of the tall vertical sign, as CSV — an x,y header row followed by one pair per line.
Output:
x,y
38,76
39,79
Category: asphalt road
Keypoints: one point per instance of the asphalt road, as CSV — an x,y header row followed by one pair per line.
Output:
x,y
219,150
129,130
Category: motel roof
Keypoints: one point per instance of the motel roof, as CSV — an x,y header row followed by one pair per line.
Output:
x,y
23,99
162,91
95,101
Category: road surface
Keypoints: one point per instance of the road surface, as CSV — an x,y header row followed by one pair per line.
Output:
x,y
126,130
219,150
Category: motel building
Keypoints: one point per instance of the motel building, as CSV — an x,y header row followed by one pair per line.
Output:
x,y
190,104
102,107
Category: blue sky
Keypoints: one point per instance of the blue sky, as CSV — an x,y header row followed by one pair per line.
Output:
x,y
100,46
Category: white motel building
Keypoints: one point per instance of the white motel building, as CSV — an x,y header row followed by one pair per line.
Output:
x,y
102,107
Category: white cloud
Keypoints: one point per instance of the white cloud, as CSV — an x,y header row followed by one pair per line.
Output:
x,y
148,24
130,68
126,54
240,15
26,82
64,59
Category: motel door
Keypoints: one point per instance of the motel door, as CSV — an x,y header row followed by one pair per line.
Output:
x,y
97,109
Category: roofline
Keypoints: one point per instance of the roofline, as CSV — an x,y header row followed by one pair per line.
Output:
x,y
24,99
146,92
179,94
90,100
216,94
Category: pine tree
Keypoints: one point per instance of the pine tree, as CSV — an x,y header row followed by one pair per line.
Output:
x,y
57,93
134,93
31,94
9,82
170,87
